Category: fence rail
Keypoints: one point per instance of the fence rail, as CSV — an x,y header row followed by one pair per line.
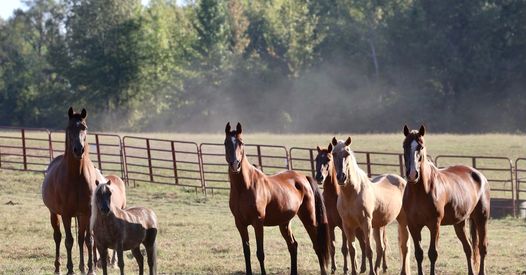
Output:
x,y
202,166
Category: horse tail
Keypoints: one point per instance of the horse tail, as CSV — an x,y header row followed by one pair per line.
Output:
x,y
322,230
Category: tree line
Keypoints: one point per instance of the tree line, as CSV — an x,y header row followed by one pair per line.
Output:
x,y
276,65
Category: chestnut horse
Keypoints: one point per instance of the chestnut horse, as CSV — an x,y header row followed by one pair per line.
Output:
x,y
449,196
260,200
122,229
67,189
369,205
326,175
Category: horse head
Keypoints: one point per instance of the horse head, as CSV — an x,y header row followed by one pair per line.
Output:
x,y
414,152
76,133
234,147
323,160
102,197
342,156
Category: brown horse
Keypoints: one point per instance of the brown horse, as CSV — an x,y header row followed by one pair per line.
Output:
x,y
369,205
326,175
67,189
260,200
449,196
122,229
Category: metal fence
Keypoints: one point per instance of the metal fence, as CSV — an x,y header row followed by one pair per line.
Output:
x,y
203,167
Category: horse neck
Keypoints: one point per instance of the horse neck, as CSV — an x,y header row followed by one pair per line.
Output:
x,y
357,178
76,166
331,182
427,169
243,179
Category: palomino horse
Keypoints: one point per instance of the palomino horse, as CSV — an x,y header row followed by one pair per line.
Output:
x,y
326,175
369,205
122,229
449,196
260,200
67,189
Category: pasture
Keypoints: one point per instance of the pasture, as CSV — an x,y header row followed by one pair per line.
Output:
x,y
197,233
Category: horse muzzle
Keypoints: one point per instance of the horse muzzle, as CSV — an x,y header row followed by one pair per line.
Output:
x,y
412,176
342,177
320,178
235,166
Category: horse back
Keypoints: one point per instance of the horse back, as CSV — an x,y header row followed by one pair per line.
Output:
x,y
388,191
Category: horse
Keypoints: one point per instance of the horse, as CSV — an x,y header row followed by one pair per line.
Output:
x,y
369,205
67,188
326,175
449,196
260,200
122,229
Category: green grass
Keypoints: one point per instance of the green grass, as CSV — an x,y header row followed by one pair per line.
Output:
x,y
197,234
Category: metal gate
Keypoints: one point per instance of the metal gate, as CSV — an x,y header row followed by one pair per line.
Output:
x,y
269,158
25,149
520,185
162,161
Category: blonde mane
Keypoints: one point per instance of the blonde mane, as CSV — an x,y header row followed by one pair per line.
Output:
x,y
356,176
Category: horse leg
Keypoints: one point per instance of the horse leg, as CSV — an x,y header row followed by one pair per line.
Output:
x,y
246,246
460,230
103,252
332,248
379,247
139,258
361,242
120,255
433,253
483,242
151,250
310,226
84,235
403,238
383,233
345,252
57,236
349,232
258,228
368,232
69,242
419,252
292,246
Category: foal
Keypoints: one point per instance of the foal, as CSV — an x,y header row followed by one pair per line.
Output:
x,y
260,200
122,229
369,204
326,175
449,196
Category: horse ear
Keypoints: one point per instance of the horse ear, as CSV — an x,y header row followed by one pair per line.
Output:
x,y
70,112
330,147
239,130
334,141
422,131
348,141
97,182
83,114
318,148
227,128
406,130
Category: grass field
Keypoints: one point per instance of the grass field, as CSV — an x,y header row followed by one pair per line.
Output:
x,y
197,234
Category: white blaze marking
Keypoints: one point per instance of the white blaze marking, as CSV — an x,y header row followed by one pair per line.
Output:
x,y
412,168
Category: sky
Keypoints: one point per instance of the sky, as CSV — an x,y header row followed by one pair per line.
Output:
x,y
8,6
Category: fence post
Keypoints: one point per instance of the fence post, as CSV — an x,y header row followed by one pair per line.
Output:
x,y
149,159
401,163
202,169
368,157
98,151
259,157
24,147
50,146
513,190
174,163
311,163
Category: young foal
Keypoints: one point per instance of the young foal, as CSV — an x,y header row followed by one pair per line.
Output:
x,y
369,205
260,200
66,191
449,196
326,175
122,229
